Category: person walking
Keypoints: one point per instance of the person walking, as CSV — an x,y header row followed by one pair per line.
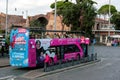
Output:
x,y
2,49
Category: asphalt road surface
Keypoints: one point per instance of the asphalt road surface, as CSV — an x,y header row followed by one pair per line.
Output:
x,y
107,69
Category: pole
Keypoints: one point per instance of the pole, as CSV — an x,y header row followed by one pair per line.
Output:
x,y
26,14
109,17
55,15
26,17
6,19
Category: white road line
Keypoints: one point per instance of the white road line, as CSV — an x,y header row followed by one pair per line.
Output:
x,y
11,77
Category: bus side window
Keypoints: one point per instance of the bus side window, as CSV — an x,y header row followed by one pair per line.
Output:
x,y
71,49
76,49
58,52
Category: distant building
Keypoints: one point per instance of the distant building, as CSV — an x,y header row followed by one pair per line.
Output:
x,y
102,30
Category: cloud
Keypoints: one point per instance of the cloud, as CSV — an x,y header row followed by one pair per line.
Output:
x,y
29,4
33,6
40,6
1,5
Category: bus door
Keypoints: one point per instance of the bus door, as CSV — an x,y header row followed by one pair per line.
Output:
x,y
32,53
19,47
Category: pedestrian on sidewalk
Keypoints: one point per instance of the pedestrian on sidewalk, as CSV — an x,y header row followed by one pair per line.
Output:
x,y
2,49
7,48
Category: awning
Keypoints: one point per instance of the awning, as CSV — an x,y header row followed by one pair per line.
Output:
x,y
115,36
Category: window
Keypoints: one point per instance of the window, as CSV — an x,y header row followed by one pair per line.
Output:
x,y
71,49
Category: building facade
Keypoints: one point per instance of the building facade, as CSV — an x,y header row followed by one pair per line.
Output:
x,y
102,30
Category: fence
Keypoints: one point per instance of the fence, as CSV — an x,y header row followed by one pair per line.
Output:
x,y
69,63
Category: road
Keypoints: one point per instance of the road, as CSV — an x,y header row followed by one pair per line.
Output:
x,y
12,71
106,69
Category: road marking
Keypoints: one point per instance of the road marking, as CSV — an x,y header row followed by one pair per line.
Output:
x,y
11,77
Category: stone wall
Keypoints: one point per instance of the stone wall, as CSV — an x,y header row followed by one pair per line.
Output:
x,y
20,21
50,18
12,20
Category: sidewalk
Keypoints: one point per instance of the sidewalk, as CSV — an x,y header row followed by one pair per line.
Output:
x,y
31,75
4,61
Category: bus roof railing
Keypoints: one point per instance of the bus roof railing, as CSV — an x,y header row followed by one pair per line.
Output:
x,y
40,29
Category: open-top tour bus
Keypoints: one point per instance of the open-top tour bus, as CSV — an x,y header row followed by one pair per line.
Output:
x,y
26,52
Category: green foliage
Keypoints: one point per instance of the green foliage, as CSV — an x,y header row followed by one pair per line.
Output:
x,y
80,15
105,9
88,15
35,23
2,31
7,40
116,20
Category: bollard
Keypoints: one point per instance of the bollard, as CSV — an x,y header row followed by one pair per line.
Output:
x,y
95,56
88,58
45,67
60,64
51,67
72,61
66,63
82,60
92,57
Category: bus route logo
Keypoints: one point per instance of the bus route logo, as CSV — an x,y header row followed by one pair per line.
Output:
x,y
21,30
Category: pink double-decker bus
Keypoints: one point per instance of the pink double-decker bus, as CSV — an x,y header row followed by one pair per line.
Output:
x,y
26,52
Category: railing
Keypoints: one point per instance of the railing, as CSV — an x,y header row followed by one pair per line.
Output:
x,y
61,64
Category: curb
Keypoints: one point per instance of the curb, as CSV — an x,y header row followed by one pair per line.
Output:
x,y
67,68
4,66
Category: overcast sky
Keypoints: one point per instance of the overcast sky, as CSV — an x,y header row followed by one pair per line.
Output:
x,y
35,7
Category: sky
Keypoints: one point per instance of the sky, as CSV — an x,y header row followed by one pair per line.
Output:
x,y
35,7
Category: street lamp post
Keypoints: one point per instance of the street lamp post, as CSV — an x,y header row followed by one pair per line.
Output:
x,y
6,19
55,14
26,17
109,17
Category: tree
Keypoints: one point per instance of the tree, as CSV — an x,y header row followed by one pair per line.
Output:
x,y
115,19
104,10
35,23
87,15
80,15
64,9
